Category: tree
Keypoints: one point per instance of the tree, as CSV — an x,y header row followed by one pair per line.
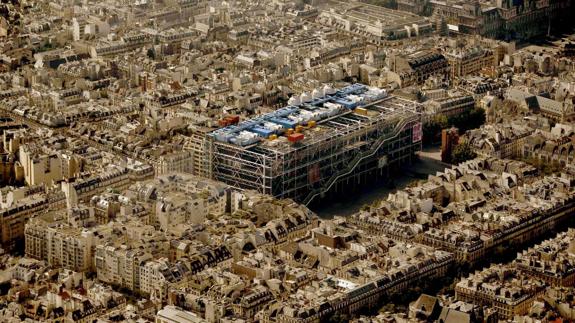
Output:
x,y
365,207
432,129
339,317
544,167
462,152
443,28
45,47
551,168
510,107
420,97
151,53
389,307
476,117
467,120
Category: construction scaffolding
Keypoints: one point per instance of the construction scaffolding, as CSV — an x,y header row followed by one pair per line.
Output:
x,y
340,150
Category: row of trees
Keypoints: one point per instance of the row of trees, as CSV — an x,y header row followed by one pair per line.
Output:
x,y
468,120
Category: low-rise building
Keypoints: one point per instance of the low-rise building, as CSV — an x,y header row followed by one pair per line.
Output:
x,y
416,68
510,293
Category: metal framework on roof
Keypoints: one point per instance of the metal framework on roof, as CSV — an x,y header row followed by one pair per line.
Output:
x,y
346,149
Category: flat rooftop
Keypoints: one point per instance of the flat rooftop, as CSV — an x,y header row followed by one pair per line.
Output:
x,y
371,14
316,117
387,109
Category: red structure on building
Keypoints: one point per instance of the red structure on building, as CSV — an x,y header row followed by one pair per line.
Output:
x,y
449,139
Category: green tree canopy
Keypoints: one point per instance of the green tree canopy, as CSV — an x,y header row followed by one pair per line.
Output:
x,y
467,120
432,129
462,152
151,53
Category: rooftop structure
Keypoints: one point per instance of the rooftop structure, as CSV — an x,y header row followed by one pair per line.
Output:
x,y
416,68
509,292
377,23
172,314
504,19
552,261
304,150
499,140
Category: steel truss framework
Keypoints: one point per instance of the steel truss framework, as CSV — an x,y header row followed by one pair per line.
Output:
x,y
353,147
